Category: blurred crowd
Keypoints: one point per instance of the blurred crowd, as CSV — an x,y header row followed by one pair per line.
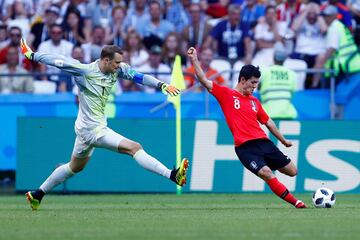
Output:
x,y
152,33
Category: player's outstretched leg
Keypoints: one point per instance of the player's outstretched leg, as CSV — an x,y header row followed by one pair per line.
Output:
x,y
278,188
59,175
152,164
179,175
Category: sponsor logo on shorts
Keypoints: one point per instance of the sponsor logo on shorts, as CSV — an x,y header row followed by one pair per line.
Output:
x,y
253,165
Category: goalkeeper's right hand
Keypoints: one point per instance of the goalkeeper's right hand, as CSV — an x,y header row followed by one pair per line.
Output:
x,y
26,50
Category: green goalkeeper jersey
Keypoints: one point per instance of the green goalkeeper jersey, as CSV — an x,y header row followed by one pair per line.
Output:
x,y
94,87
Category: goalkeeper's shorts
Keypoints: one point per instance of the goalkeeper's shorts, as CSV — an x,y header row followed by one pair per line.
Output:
x,y
85,142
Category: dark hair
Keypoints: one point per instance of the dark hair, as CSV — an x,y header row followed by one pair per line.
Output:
x,y
56,25
98,27
109,51
66,26
115,8
155,2
249,71
269,7
15,28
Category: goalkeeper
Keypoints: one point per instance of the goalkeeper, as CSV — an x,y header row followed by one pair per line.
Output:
x,y
95,81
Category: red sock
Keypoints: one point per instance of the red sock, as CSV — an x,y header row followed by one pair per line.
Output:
x,y
279,189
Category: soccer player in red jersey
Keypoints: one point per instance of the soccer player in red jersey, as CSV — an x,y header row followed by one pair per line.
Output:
x,y
243,112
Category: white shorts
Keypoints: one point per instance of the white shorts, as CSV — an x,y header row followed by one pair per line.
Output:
x,y
110,140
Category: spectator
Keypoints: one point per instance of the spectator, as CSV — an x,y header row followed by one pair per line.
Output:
x,y
135,49
85,7
251,13
4,40
156,25
341,53
77,53
266,36
137,13
230,38
14,84
101,15
206,56
40,31
178,13
287,11
8,9
93,48
20,18
14,41
310,29
218,8
5,10
56,44
74,27
172,46
354,6
198,30
344,14
154,67
277,87
116,29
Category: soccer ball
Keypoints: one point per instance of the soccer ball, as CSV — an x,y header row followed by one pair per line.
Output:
x,y
323,198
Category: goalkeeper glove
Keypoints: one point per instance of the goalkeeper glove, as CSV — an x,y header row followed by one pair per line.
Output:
x,y
26,50
169,89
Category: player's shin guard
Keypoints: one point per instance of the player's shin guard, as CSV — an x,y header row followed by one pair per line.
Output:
x,y
279,189
58,176
150,163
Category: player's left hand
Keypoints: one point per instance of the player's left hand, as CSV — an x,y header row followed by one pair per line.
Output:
x,y
169,89
287,143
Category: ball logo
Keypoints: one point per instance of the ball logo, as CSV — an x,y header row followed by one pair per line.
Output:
x,y
253,165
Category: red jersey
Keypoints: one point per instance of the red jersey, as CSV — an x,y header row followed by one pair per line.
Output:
x,y
242,114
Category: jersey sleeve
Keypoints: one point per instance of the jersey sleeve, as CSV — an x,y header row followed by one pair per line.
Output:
x,y
66,64
127,73
218,91
262,116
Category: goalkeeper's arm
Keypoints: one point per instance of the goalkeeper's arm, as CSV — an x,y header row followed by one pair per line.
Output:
x,y
67,64
127,73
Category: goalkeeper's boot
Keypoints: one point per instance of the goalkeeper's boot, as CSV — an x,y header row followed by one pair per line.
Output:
x,y
179,175
34,198
300,204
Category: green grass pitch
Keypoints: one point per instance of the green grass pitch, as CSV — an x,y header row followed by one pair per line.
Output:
x,y
166,216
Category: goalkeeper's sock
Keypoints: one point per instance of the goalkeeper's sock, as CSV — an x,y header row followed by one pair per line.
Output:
x,y
38,194
150,163
58,176
279,189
